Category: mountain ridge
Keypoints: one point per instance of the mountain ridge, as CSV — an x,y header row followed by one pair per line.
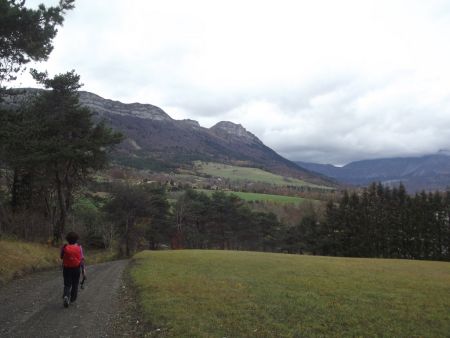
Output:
x,y
150,128
155,140
427,172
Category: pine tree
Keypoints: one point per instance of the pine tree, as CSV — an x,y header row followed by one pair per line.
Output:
x,y
446,228
437,226
366,240
59,146
329,235
27,34
130,210
159,229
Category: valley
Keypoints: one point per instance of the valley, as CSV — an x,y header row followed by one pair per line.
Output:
x,y
253,175
429,173
158,169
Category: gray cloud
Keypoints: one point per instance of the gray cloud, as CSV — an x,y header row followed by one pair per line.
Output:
x,y
322,81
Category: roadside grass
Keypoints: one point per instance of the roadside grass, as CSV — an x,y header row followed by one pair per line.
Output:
x,y
194,293
99,255
236,173
18,258
251,197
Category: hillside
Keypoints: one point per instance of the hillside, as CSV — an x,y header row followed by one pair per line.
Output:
x,y
428,173
156,141
252,175
153,134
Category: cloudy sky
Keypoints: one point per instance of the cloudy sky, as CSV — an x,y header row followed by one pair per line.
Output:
x,y
323,81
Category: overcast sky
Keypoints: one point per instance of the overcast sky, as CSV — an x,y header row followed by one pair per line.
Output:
x,y
322,81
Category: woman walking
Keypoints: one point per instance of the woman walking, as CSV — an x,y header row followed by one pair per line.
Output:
x,y
73,266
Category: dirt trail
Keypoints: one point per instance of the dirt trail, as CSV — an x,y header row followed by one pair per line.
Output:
x,y
32,306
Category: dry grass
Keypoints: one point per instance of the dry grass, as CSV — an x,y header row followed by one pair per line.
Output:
x,y
99,256
18,258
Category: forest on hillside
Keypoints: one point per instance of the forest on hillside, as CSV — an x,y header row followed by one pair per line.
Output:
x,y
382,222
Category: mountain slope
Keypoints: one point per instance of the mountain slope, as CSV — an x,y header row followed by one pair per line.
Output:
x,y
431,172
155,140
154,135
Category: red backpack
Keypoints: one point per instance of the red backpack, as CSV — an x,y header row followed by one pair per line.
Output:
x,y
72,256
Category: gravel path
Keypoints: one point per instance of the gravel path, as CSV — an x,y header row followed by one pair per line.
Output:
x,y
32,306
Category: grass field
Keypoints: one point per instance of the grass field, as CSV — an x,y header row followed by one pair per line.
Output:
x,y
250,196
236,173
195,293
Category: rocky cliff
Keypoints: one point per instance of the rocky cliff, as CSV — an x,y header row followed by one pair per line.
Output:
x,y
104,107
231,131
152,136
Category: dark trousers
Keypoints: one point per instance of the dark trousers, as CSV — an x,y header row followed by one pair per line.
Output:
x,y
71,280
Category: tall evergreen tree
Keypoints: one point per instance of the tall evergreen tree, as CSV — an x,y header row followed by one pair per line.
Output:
x,y
388,223
59,146
366,240
329,236
446,228
437,226
27,34
130,209
159,230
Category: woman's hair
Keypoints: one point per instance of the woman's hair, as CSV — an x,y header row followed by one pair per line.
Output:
x,y
72,237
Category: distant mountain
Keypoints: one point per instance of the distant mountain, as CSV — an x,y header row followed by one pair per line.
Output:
x,y
156,141
153,135
431,172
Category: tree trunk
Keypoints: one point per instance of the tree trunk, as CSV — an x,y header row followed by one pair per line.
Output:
x,y
127,238
5,222
14,191
60,224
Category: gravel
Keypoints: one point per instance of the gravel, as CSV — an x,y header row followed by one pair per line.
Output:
x,y
33,306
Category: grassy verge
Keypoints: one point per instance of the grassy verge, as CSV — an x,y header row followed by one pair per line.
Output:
x,y
99,256
18,258
242,294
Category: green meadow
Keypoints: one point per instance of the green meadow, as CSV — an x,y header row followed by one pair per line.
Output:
x,y
251,197
236,173
194,293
